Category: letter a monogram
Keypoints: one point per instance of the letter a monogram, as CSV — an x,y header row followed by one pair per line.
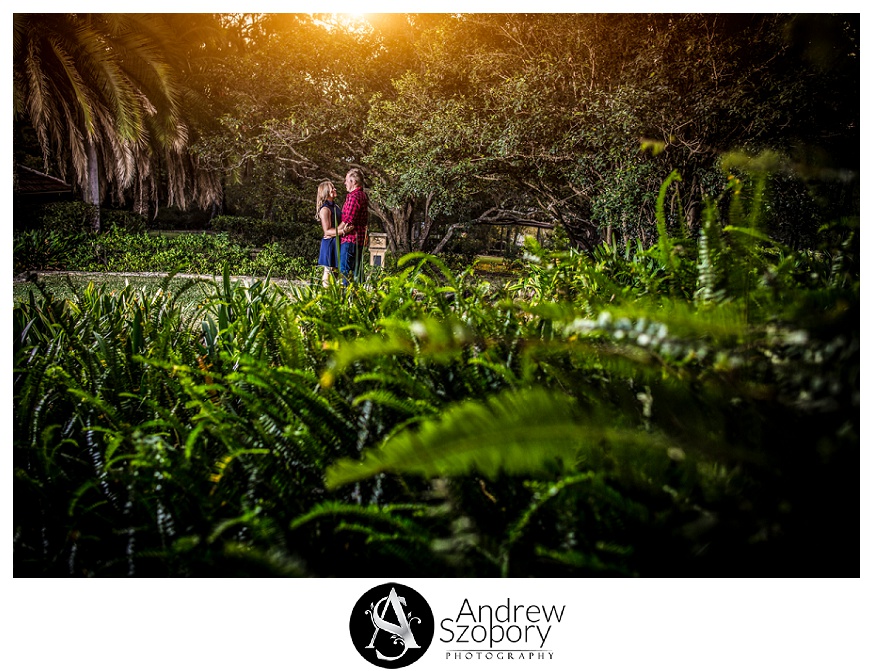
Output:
x,y
400,633
381,626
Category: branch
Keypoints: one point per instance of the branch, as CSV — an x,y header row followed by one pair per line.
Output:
x,y
498,217
447,237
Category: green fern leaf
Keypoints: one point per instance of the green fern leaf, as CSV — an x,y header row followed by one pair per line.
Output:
x,y
515,432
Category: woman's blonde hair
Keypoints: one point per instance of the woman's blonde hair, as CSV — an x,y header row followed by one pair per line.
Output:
x,y
322,195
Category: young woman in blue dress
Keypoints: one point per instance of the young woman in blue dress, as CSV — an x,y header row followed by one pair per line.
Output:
x,y
329,214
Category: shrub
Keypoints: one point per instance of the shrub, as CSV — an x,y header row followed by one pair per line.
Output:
x,y
199,253
44,249
123,220
291,239
175,219
273,259
118,250
67,217
248,230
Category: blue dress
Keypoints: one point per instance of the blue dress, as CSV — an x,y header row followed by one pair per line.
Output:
x,y
327,253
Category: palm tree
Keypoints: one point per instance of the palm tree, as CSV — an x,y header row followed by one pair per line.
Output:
x,y
104,101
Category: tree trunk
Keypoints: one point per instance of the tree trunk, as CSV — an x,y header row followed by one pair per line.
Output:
x,y
427,224
397,222
140,201
448,236
91,194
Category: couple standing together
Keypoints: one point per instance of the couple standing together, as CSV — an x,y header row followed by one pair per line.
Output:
x,y
345,229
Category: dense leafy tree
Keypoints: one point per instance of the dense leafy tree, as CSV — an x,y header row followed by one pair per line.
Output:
x,y
299,105
569,120
294,110
542,117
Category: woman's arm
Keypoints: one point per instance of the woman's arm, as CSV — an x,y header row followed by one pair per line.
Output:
x,y
324,215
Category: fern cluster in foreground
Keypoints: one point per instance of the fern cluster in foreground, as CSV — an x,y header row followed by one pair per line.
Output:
x,y
683,410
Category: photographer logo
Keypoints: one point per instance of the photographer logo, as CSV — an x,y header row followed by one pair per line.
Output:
x,y
392,626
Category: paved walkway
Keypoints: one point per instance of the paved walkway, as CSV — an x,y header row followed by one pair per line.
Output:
x,y
30,276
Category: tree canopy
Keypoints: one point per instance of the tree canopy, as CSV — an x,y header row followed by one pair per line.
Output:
x,y
569,120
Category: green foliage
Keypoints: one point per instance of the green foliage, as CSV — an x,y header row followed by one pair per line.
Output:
x,y
201,253
249,231
176,219
60,238
678,410
119,250
535,121
123,220
71,217
43,249
291,239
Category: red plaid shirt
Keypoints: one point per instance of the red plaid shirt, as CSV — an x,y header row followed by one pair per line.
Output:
x,y
355,213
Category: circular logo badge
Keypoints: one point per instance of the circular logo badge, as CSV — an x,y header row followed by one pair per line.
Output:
x,y
392,626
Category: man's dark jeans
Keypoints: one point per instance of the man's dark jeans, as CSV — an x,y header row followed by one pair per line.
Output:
x,y
351,262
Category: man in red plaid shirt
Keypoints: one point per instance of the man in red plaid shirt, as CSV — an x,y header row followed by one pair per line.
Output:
x,y
353,228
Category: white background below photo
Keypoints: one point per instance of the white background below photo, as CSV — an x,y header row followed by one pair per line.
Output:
x,y
620,625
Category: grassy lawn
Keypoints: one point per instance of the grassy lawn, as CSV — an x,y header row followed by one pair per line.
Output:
x,y
485,264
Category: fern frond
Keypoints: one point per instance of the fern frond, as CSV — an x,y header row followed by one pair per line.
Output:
x,y
664,243
372,514
517,432
590,563
383,397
